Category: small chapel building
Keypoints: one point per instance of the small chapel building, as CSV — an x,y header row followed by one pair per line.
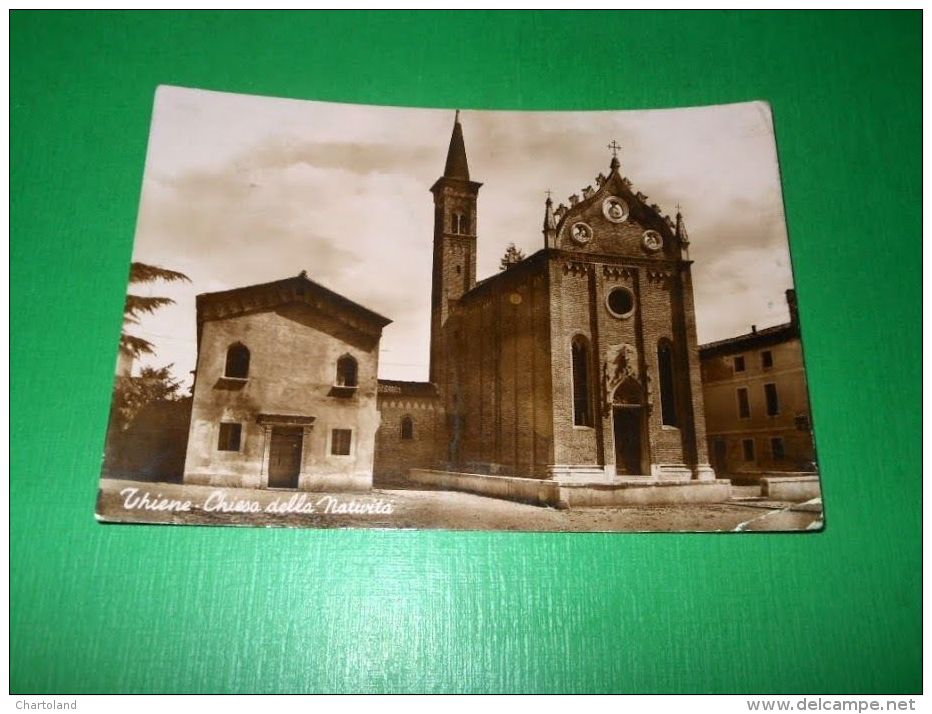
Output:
x,y
285,389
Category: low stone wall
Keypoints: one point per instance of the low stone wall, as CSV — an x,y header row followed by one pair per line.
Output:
x,y
335,482
511,488
643,492
753,478
306,482
791,488
647,493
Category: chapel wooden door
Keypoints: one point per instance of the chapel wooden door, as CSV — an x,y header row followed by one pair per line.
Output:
x,y
285,456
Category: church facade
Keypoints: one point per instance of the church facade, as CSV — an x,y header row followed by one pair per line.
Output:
x,y
575,368
578,364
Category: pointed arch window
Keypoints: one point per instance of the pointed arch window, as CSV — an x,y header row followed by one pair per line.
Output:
x,y
347,372
665,367
237,362
407,428
582,389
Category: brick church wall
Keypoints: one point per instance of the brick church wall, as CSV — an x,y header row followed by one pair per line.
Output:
x,y
579,291
571,315
395,455
500,387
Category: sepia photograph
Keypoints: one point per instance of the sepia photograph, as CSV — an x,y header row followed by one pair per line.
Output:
x,y
360,316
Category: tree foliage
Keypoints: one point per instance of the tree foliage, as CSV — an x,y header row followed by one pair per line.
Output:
x,y
144,273
131,394
137,305
512,256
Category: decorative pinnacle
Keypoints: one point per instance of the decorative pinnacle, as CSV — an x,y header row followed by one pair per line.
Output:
x,y
680,231
614,146
550,222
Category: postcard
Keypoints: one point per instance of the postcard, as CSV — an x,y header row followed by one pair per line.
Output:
x,y
358,316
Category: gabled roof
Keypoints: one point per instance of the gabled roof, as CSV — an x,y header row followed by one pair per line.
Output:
x,y
537,262
297,290
615,184
515,272
755,339
767,337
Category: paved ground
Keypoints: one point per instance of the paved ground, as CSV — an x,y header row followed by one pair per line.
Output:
x,y
391,508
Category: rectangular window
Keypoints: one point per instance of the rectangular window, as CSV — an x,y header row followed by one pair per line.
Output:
x,y
773,404
766,359
747,446
230,436
776,447
739,364
340,441
744,406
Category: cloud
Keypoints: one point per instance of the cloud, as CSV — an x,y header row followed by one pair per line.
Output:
x,y
354,157
240,190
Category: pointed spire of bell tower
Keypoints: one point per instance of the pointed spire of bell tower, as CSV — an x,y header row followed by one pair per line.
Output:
x,y
550,224
457,167
455,227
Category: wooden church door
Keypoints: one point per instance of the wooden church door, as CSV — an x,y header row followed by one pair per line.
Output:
x,y
285,456
628,447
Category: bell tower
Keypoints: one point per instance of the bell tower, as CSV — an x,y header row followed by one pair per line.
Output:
x,y
455,218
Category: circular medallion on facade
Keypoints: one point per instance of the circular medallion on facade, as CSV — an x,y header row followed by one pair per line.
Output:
x,y
581,233
614,209
652,241
620,302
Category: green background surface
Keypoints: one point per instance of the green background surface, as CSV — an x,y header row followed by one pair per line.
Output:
x,y
188,609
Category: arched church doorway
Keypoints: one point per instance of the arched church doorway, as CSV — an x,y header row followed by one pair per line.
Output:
x,y
628,426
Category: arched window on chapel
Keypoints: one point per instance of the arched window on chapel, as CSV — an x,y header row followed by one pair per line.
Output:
x,y
582,390
347,372
237,363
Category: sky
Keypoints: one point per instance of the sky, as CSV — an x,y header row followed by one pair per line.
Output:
x,y
241,189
